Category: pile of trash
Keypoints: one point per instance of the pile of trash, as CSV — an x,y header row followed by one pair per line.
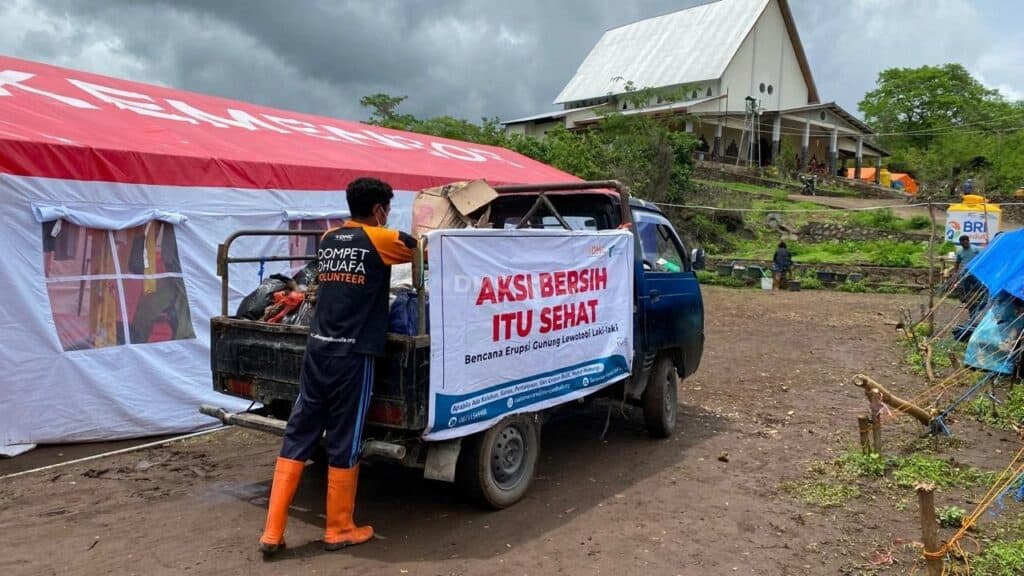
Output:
x,y
281,299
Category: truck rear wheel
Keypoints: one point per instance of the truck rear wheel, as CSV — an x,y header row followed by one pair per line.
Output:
x,y
498,465
661,399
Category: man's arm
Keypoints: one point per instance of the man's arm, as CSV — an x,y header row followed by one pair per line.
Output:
x,y
393,246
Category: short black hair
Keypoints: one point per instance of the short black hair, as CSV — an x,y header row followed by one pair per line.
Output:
x,y
365,193
964,237
782,244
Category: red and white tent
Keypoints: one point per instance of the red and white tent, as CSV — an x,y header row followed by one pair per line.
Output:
x,y
115,195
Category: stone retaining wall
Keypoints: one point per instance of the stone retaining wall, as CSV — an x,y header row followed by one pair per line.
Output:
x,y
826,232
872,275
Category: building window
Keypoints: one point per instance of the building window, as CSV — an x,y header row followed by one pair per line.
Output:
x,y
770,89
115,287
822,115
709,92
693,96
762,87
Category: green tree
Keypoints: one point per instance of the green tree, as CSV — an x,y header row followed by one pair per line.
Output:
x,y
916,102
944,125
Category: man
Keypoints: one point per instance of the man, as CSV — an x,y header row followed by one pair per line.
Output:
x,y
782,262
345,335
969,286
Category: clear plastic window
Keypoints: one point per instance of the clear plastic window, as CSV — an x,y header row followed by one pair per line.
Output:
x,y
115,287
306,245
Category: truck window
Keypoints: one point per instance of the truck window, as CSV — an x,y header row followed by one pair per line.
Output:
x,y
551,223
661,249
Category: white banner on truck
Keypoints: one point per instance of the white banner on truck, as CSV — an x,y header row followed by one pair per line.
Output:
x,y
522,320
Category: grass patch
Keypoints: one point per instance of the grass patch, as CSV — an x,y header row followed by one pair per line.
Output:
x,y
886,219
1004,416
709,278
1000,559
906,471
822,494
951,516
857,464
889,253
913,470
941,350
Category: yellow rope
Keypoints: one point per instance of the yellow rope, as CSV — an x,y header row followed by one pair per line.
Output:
x,y
1003,481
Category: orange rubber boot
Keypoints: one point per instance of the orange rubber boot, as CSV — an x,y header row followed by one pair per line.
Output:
x,y
341,501
286,481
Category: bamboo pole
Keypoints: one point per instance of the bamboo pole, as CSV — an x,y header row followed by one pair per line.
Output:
x,y
929,529
893,401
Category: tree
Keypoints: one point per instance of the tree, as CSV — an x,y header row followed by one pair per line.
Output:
x,y
384,107
944,125
651,155
916,102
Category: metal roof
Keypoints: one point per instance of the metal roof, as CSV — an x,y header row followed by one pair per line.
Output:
x,y
683,47
553,115
691,45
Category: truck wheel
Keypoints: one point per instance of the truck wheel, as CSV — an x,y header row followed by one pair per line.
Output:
x,y
498,465
661,399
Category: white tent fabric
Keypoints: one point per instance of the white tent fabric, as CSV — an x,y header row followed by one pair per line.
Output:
x,y
134,389
114,197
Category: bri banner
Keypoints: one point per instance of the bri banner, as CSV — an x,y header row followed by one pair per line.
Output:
x,y
522,320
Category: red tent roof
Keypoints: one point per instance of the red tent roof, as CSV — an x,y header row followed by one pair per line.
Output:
x,y
61,123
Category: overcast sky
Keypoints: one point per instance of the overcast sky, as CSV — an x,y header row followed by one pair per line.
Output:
x,y
467,58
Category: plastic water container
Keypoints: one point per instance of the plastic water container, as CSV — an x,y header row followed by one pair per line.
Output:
x,y
766,284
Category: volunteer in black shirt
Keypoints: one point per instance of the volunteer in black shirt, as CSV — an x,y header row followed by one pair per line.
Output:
x,y
346,334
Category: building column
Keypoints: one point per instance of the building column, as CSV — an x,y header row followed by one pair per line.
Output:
x,y
776,138
833,153
878,171
860,158
716,150
805,145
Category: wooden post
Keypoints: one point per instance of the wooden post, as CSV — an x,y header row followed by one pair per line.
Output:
x,y
929,528
870,386
876,429
864,427
931,272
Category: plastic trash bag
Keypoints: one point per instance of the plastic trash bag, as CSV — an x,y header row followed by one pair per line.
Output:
x,y
255,304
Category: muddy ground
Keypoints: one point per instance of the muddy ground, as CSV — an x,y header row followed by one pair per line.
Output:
x,y
772,396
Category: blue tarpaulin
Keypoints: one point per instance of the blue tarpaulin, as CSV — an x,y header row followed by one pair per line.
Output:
x,y
994,345
1000,266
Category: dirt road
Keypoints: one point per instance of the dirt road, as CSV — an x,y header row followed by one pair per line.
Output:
x,y
771,397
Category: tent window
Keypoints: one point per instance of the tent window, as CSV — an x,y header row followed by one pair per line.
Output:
x,y
306,245
115,287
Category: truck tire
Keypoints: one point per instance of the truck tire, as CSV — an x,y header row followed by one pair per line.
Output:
x,y
497,466
661,399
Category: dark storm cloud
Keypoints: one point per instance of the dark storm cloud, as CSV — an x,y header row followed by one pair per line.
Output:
x,y
467,58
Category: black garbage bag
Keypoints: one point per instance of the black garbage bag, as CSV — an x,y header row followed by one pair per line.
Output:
x,y
255,304
305,276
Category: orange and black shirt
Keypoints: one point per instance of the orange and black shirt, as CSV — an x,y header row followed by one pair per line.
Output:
x,y
354,276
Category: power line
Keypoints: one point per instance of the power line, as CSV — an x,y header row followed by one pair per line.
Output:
x,y
814,210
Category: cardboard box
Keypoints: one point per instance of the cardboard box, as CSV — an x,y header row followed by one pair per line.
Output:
x,y
450,206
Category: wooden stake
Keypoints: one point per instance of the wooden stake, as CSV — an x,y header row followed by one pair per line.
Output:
x,y
876,431
929,528
895,402
864,427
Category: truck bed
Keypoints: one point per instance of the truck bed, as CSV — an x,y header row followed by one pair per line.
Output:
x,y
261,362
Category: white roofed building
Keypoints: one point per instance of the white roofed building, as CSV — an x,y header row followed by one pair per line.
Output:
x,y
737,71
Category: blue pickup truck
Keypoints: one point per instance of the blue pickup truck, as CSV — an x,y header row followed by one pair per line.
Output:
x,y
260,361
